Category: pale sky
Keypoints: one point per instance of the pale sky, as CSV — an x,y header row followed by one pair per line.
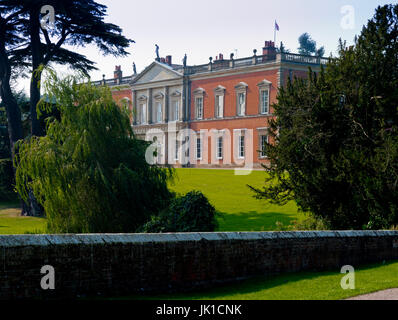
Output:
x,y
208,27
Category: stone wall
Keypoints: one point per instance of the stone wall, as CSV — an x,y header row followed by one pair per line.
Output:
x,y
125,264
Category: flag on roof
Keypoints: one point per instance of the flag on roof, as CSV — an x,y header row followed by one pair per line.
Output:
x,y
276,26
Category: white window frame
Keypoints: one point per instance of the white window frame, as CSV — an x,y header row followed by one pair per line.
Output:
x,y
219,96
263,86
220,148
263,153
199,93
175,103
176,108
241,89
142,110
177,150
219,106
241,106
241,147
199,148
143,113
262,101
159,112
199,107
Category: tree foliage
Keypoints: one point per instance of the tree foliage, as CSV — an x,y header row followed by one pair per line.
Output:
x,y
77,23
25,43
189,213
336,134
4,139
89,172
308,46
7,180
283,49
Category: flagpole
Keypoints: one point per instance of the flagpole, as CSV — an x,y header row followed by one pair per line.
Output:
x,y
275,33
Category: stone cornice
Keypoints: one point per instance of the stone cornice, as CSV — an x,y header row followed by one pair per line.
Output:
x,y
157,84
233,118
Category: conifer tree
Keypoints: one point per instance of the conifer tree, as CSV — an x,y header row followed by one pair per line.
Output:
x,y
336,133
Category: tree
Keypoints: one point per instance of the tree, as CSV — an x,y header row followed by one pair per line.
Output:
x,y
4,139
77,23
23,104
320,52
89,172
282,48
308,46
10,38
336,134
7,180
5,163
27,44
190,213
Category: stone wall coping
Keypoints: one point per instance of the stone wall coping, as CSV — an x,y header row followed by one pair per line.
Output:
x,y
93,239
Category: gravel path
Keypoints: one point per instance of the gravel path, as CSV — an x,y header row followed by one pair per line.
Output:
x,y
390,294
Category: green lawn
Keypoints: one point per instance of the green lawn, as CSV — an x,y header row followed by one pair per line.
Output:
x,y
226,191
299,286
12,223
231,196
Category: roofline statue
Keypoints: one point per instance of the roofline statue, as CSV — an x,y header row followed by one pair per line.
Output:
x,y
157,52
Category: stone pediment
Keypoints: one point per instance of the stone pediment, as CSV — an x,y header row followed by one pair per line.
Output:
x,y
156,72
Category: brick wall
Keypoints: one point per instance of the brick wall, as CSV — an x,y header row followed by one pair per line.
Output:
x,y
125,264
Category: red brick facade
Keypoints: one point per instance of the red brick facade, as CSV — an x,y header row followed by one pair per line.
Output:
x,y
226,105
252,120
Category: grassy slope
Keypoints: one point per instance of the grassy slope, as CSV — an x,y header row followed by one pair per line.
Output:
x,y
12,223
300,286
227,192
230,195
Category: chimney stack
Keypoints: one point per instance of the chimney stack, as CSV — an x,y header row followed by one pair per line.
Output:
x,y
162,60
269,51
118,74
168,60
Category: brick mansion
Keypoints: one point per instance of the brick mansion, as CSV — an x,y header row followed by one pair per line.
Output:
x,y
210,115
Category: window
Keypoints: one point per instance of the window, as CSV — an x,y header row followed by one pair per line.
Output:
x,y
186,143
177,150
159,112
263,146
199,94
198,148
219,148
264,95
143,113
219,107
219,93
241,90
158,151
264,103
241,147
199,108
176,109
241,104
